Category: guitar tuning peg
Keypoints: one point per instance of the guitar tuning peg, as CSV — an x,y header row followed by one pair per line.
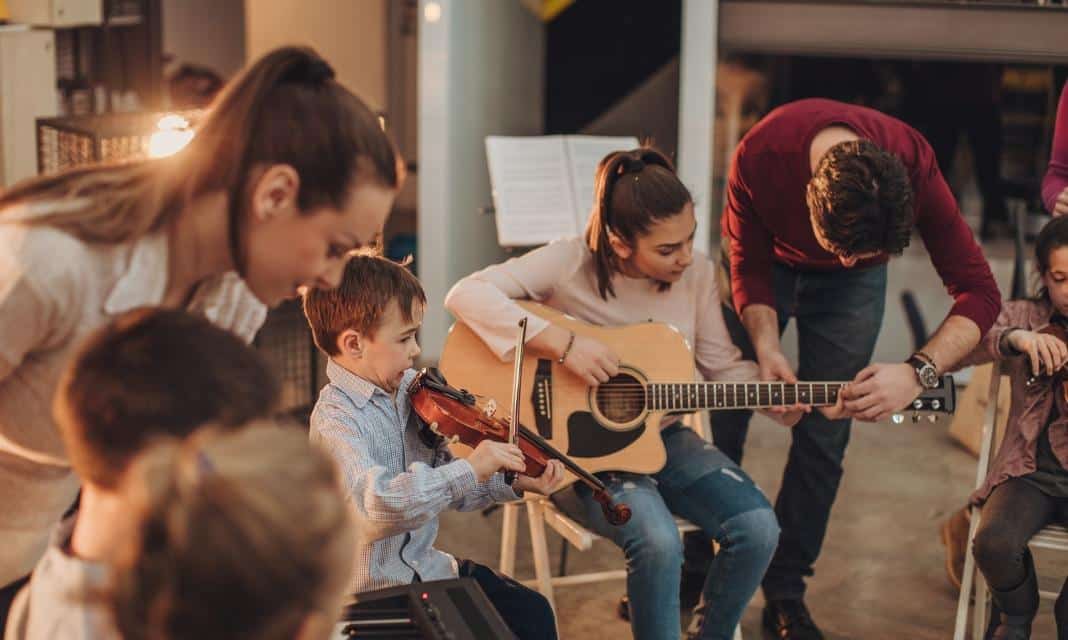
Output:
x,y
915,417
897,418
932,418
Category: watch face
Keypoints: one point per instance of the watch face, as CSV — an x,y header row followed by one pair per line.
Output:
x,y
929,377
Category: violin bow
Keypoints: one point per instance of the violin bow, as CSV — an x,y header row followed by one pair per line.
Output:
x,y
517,381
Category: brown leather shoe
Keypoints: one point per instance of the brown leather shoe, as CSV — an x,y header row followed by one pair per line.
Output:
x,y
955,539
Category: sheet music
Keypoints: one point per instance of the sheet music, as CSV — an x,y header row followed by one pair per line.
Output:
x,y
584,153
531,189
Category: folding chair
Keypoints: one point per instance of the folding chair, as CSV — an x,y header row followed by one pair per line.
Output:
x,y
540,512
1052,537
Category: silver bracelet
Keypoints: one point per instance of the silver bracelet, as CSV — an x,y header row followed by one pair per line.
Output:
x,y
567,349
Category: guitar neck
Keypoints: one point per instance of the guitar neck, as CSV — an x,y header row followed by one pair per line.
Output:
x,y
698,396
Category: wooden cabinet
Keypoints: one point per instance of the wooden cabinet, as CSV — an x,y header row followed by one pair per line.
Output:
x,y
56,13
27,92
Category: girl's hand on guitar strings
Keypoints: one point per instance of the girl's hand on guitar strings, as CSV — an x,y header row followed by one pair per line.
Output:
x,y
592,360
544,484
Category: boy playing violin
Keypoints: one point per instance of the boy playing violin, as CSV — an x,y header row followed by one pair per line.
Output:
x,y
396,482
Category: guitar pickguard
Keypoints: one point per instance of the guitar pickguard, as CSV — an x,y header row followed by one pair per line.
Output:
x,y
588,439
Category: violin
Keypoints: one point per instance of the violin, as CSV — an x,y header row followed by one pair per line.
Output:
x,y
457,415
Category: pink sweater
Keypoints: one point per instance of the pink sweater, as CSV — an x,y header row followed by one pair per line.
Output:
x,y
562,275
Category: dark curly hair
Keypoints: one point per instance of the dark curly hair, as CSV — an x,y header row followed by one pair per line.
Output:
x,y
860,200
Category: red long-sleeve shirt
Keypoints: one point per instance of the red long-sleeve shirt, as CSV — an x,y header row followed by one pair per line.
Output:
x,y
1057,174
766,219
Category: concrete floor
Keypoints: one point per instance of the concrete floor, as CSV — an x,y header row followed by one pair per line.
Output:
x,y
881,574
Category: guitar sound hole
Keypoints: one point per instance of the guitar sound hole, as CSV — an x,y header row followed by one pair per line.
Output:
x,y
621,399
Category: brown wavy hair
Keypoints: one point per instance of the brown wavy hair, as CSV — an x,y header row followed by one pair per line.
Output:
x,y
633,190
860,200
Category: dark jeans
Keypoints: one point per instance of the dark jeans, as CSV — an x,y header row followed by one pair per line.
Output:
x,y
526,612
1015,511
838,317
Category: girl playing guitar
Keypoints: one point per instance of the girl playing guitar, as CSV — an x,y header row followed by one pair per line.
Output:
x,y
635,263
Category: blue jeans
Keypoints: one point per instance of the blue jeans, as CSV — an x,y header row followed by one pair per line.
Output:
x,y
700,484
838,315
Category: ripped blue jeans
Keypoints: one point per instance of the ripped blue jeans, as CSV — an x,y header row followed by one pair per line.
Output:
x,y
702,485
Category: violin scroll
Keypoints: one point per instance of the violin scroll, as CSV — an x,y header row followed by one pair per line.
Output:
x,y
615,513
619,514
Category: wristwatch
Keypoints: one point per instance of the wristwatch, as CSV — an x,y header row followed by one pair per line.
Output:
x,y
925,371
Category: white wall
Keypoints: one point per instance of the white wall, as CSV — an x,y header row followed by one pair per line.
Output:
x,y
209,33
350,34
697,108
481,72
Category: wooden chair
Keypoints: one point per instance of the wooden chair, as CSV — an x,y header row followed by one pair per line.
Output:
x,y
541,512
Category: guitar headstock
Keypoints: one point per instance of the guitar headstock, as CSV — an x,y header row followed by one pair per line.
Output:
x,y
941,399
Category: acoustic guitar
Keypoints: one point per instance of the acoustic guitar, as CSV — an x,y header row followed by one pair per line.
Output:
x,y
615,425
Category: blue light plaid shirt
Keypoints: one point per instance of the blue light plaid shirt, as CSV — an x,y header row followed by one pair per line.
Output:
x,y
395,484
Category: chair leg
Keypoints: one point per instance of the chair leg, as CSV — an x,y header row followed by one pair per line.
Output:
x,y
971,575
538,543
508,538
981,607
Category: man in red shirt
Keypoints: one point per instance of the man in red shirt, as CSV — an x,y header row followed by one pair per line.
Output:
x,y
819,195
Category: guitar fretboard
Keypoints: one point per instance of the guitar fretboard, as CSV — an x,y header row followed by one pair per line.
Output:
x,y
694,396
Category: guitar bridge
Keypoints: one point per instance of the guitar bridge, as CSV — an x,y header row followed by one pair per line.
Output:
x,y
541,397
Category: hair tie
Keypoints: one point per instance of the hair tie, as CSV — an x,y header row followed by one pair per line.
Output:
x,y
312,71
631,165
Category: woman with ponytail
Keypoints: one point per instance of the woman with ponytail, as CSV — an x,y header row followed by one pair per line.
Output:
x,y
289,172
636,263
236,535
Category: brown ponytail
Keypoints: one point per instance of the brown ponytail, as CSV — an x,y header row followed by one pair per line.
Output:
x,y
239,535
633,190
286,108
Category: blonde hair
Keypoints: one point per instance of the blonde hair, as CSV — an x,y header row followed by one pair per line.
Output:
x,y
239,534
286,108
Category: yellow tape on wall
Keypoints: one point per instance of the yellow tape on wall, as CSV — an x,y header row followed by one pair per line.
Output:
x,y
547,10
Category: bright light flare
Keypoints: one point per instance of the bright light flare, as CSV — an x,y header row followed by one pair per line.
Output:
x,y
171,135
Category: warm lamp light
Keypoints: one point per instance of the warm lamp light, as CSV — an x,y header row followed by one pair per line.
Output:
x,y
172,134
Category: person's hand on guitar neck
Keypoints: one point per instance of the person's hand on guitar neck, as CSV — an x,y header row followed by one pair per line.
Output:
x,y
761,321
775,367
878,391
589,359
